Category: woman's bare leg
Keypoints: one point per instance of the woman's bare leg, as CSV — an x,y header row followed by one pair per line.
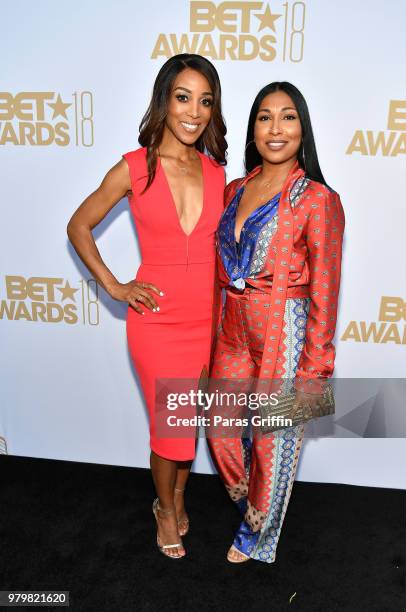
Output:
x,y
164,474
182,475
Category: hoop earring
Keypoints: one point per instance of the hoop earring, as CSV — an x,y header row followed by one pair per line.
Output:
x,y
248,144
301,150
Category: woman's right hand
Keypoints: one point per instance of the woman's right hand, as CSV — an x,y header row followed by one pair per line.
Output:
x,y
136,293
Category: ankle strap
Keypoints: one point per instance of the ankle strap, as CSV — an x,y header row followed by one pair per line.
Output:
x,y
158,507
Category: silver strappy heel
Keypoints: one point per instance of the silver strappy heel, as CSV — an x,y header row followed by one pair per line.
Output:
x,y
163,547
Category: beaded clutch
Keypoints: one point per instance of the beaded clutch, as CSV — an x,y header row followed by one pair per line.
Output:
x,y
279,416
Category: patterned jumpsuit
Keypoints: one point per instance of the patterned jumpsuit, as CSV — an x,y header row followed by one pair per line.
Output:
x,y
282,284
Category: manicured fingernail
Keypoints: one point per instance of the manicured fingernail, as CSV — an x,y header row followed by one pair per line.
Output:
x,y
160,293
154,310
157,307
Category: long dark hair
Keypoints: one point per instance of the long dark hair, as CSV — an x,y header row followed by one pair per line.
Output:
x,y
307,154
152,125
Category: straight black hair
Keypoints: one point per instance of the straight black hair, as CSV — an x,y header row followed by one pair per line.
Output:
x,y
307,154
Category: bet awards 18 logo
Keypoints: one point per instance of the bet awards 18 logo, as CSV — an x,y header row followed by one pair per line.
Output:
x,y
239,31
387,143
42,118
391,328
50,300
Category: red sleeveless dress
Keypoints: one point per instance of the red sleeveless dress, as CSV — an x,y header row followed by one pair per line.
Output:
x,y
174,343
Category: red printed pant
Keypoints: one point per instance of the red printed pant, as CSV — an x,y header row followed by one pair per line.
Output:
x,y
259,472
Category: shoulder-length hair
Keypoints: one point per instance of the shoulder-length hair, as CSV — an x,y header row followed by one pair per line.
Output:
x,y
212,141
307,154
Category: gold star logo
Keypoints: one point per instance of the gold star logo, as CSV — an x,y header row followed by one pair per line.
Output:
x,y
68,292
267,19
59,107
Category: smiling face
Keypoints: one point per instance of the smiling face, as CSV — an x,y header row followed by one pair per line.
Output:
x,y
189,106
277,130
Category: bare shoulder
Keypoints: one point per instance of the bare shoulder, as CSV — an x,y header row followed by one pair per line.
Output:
x,y
118,177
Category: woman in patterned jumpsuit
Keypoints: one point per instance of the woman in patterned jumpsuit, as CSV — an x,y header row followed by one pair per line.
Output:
x,y
279,253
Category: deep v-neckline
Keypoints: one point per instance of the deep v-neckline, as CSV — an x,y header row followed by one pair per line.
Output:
x,y
174,208
252,213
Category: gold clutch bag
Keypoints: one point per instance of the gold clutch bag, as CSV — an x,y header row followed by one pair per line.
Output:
x,y
279,416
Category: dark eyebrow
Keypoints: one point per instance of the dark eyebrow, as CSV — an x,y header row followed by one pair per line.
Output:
x,y
283,109
205,93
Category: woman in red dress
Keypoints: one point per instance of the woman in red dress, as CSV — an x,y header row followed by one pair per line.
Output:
x,y
175,193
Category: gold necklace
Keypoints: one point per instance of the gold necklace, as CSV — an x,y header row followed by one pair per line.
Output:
x,y
263,198
182,169
266,186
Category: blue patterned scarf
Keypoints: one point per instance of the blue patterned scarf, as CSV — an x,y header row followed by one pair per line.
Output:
x,y
237,257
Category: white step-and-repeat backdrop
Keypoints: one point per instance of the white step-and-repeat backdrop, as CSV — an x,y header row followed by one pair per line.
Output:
x,y
75,82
